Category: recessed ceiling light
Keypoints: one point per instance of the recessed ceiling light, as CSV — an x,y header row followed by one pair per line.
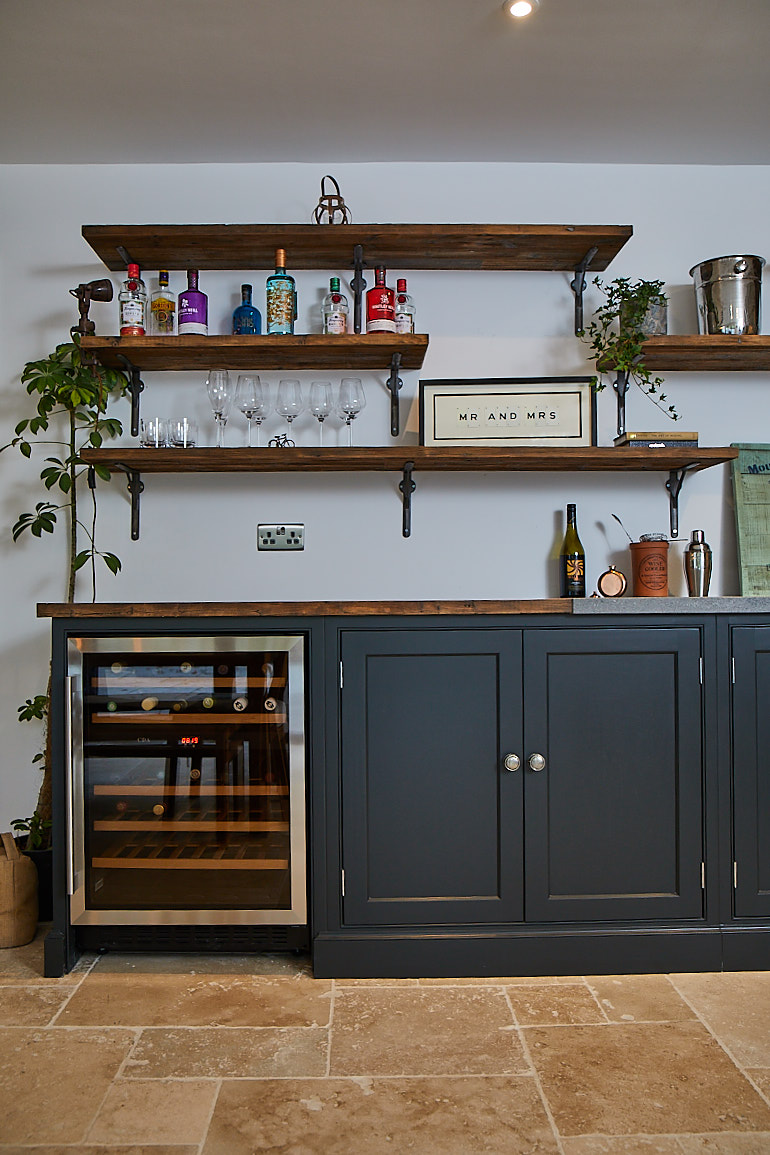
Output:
x,y
519,8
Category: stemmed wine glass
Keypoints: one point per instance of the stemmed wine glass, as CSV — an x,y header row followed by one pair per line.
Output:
x,y
289,401
321,404
252,400
350,402
220,393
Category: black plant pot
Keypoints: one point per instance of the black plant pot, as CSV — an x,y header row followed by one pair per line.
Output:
x,y
43,860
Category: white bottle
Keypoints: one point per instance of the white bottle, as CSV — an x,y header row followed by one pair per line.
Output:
x,y
405,309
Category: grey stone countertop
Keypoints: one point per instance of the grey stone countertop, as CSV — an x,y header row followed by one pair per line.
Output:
x,y
630,605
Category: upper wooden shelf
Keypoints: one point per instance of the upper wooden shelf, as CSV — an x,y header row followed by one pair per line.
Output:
x,y
305,351
385,458
708,353
449,246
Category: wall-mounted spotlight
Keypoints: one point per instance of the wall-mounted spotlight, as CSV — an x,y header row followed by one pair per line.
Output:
x,y
519,8
93,291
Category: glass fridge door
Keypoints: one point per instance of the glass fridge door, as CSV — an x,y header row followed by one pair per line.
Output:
x,y
187,784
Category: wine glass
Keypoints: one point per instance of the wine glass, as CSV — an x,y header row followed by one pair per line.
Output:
x,y
289,401
321,404
220,393
350,402
252,400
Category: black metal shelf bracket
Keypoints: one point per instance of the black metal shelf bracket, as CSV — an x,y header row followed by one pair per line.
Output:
x,y
358,284
135,488
135,387
407,485
578,286
124,255
620,385
674,485
394,384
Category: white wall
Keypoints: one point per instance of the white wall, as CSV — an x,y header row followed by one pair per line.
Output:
x,y
474,535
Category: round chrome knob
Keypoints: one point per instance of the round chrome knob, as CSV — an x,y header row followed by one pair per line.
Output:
x,y
512,761
536,762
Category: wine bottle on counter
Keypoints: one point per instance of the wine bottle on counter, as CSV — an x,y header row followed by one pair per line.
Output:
x,y
281,297
193,308
247,319
133,304
380,305
405,309
572,559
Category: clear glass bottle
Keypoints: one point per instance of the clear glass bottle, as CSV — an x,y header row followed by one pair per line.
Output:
x,y
572,559
133,304
380,305
281,297
247,318
405,309
162,308
335,309
193,307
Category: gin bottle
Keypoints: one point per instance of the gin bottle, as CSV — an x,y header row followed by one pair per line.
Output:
x,y
247,319
380,305
281,297
133,304
404,308
335,309
162,307
193,307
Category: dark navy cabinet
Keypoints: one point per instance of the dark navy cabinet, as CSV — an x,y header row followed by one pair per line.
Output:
x,y
750,653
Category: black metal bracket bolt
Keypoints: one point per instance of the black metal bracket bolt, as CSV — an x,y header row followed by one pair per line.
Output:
x,y
578,287
135,387
407,485
620,385
135,488
674,485
358,284
394,384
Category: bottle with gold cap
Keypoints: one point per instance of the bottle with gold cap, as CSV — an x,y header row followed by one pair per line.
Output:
x,y
281,297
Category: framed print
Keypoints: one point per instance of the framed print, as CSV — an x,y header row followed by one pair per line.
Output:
x,y
508,411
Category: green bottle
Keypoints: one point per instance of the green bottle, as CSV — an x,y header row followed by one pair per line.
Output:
x,y
572,560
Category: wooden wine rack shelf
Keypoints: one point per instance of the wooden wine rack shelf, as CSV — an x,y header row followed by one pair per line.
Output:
x,y
185,719
193,826
189,791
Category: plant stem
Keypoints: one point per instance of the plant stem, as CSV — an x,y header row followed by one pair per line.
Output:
x,y
73,511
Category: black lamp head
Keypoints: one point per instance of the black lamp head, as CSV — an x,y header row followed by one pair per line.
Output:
x,y
101,290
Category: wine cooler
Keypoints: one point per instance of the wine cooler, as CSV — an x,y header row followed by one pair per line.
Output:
x,y
185,789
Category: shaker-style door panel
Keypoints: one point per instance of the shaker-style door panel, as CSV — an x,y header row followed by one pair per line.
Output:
x,y
614,814
431,816
751,770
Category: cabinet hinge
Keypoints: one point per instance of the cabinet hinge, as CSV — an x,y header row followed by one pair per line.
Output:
x,y
342,882
700,664
703,876
735,875
732,661
342,679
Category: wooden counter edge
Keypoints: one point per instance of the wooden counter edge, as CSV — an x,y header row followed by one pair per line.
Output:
x,y
297,609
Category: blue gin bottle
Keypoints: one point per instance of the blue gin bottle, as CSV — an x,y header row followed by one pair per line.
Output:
x,y
246,318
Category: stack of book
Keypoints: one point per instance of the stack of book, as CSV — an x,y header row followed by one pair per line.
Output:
x,y
667,440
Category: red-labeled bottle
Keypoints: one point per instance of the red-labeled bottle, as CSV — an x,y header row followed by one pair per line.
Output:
x,y
380,305
133,304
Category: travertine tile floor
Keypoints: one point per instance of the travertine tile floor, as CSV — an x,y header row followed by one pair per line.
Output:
x,y
215,1055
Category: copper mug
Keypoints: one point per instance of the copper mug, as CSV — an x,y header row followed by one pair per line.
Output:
x,y
649,560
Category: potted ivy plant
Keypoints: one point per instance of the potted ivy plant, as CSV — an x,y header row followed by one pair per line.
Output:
x,y
630,312
70,393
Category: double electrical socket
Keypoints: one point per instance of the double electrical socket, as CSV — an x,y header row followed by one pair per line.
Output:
x,y
281,536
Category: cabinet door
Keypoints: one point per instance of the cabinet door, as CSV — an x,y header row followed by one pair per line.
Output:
x,y
431,816
613,821
751,769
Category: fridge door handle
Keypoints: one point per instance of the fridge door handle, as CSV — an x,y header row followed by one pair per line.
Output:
x,y
69,786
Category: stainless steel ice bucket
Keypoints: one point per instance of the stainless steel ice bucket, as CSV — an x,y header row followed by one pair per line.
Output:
x,y
728,294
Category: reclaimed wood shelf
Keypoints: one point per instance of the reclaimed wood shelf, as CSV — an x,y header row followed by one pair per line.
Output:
x,y
676,462
329,247
301,351
708,353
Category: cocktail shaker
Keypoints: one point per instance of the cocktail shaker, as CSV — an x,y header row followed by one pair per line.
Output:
x,y
697,565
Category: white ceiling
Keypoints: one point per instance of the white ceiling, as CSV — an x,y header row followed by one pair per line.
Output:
x,y
641,81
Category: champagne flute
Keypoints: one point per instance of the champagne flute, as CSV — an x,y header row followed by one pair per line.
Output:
x,y
350,402
289,401
252,401
321,404
220,393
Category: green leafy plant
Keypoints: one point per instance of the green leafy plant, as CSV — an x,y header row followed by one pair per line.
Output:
x,y
37,830
71,394
617,332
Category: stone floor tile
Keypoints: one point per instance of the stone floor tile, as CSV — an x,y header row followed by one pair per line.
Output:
x,y
229,1052
431,1116
642,1079
729,1144
280,963
639,999
549,1006
98,1149
736,1007
195,1000
52,1081
440,1031
622,1145
31,1006
761,1076
24,964
524,981
155,1112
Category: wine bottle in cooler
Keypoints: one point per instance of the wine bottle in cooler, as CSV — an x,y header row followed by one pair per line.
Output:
x,y
572,559
380,305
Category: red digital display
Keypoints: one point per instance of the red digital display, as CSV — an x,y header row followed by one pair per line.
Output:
x,y
188,741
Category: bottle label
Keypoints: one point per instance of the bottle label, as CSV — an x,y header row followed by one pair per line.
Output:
x,y
193,312
576,570
336,323
280,306
380,310
404,323
162,310
131,313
